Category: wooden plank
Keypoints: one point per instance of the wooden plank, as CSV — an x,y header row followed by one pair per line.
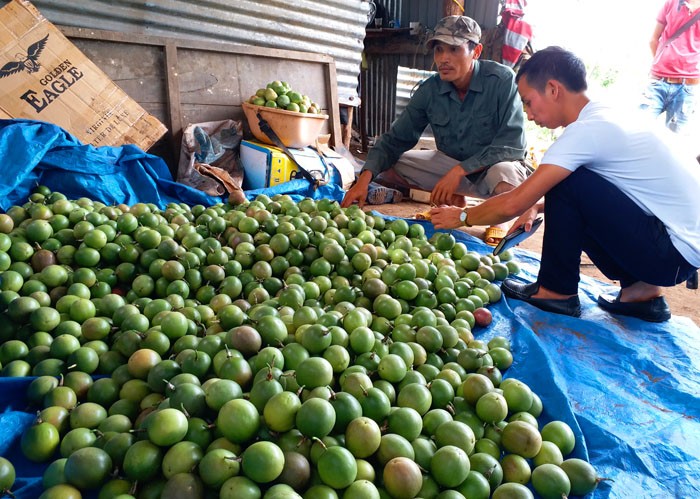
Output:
x,y
334,117
192,81
172,83
208,78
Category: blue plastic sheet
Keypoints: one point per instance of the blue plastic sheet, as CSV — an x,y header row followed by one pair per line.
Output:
x,y
38,153
299,189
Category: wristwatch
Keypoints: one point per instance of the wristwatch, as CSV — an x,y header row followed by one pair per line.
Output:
x,y
463,218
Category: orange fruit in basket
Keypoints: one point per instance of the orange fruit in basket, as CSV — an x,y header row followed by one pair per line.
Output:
x,y
293,107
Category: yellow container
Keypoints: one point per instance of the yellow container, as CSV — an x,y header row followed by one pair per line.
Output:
x,y
294,129
268,166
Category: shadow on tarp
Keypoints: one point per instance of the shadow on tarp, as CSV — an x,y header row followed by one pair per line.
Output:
x,y
630,390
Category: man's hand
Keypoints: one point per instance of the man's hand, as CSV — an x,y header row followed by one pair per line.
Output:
x,y
447,186
525,220
446,217
358,192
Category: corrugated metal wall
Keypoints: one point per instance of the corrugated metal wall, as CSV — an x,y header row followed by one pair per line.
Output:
x,y
332,27
380,78
407,82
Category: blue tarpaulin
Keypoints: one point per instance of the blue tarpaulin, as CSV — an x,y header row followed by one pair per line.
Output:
x,y
38,153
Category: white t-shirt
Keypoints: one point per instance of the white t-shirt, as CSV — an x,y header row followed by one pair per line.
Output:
x,y
649,165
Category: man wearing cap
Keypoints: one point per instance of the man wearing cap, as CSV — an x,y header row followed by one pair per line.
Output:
x,y
477,119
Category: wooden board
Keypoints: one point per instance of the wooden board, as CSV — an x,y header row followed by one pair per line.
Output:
x,y
189,81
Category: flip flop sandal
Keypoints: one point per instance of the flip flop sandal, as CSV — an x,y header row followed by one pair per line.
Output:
x,y
383,195
495,234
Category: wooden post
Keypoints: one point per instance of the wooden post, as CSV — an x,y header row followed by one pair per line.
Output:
x,y
346,129
452,7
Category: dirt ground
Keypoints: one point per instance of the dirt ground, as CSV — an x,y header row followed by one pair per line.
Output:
x,y
683,301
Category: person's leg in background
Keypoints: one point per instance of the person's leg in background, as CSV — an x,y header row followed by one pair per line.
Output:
x,y
501,177
681,110
654,97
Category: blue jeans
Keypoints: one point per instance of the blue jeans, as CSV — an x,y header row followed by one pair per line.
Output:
x,y
587,213
677,100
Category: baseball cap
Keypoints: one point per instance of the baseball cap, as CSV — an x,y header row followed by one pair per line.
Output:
x,y
455,30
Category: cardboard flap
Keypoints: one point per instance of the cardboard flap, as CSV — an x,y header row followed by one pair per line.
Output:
x,y
44,77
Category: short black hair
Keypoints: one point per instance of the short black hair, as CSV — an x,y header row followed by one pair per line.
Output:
x,y
554,63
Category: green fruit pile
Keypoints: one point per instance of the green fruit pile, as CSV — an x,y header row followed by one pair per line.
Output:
x,y
271,349
278,94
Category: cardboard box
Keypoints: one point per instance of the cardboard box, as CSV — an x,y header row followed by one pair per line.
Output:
x,y
43,76
268,166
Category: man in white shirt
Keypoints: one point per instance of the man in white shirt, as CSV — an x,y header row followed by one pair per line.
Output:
x,y
610,186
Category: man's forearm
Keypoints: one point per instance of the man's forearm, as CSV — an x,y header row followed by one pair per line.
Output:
x,y
653,44
365,177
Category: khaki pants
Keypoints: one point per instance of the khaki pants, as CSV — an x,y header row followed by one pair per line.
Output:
x,y
423,169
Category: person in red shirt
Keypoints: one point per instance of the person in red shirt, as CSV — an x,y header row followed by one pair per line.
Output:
x,y
675,70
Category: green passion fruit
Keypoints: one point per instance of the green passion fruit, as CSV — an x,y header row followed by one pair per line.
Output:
x,y
272,348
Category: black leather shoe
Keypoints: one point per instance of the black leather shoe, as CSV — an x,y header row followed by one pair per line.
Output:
x,y
523,291
654,310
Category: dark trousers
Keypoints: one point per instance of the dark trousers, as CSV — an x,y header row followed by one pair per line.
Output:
x,y
587,213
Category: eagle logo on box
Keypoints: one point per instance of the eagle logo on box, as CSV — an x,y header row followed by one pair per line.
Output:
x,y
28,63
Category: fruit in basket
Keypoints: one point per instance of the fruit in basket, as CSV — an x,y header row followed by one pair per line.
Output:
x,y
279,94
283,101
270,95
278,86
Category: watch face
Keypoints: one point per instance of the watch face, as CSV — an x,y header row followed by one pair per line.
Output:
x,y
463,216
